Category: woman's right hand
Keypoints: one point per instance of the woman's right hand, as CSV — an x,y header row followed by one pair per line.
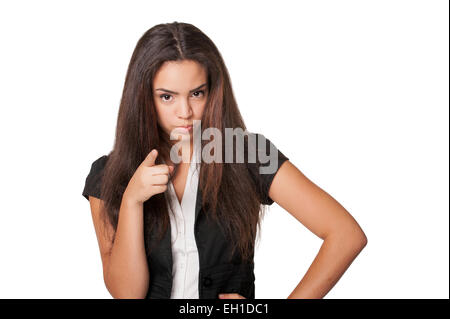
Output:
x,y
148,179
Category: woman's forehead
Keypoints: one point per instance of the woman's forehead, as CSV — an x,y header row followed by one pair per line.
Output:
x,y
180,75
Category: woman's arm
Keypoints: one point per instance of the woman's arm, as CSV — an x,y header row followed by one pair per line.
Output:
x,y
325,217
125,269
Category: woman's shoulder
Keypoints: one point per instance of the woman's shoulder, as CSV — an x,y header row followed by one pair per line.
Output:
x,y
261,150
99,163
263,160
93,179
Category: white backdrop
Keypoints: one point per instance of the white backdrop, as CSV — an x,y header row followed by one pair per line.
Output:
x,y
355,93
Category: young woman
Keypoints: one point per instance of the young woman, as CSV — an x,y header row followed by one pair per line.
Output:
x,y
186,229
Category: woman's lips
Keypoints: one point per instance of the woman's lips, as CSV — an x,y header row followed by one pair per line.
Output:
x,y
186,128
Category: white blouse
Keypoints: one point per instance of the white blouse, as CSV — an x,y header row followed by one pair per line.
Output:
x,y
185,269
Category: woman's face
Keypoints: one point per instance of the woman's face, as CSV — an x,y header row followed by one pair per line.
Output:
x,y
180,94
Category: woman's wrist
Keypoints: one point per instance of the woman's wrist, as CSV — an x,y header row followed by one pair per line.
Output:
x,y
129,201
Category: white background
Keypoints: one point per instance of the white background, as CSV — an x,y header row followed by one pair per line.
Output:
x,y
355,93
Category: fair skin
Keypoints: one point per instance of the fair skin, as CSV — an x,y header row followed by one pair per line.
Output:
x,y
180,94
125,267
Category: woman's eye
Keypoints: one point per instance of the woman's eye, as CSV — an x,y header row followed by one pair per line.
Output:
x,y
163,97
167,97
201,92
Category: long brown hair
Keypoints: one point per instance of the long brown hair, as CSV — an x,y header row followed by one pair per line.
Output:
x,y
228,191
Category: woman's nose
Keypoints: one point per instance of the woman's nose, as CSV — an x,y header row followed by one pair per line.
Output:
x,y
184,109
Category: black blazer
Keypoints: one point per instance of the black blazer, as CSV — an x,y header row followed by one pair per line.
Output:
x,y
217,273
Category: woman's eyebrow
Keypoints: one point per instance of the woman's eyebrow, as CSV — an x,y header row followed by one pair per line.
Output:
x,y
169,91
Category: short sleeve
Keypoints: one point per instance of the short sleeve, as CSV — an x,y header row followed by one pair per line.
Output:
x,y
93,180
266,166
